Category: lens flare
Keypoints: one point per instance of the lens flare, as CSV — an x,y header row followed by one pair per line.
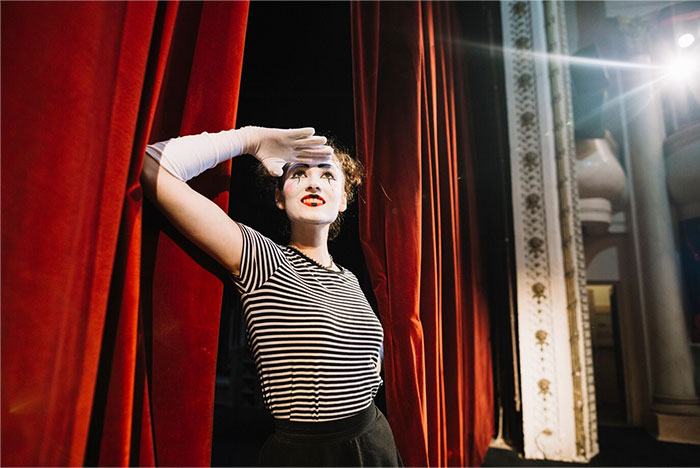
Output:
x,y
686,40
682,68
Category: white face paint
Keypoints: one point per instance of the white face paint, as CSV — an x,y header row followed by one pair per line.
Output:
x,y
313,193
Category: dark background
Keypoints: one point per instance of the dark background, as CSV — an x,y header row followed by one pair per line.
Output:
x,y
297,72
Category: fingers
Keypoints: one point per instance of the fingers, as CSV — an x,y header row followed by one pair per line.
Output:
x,y
316,140
275,166
302,132
313,147
318,152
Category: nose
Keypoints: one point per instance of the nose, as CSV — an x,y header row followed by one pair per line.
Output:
x,y
313,184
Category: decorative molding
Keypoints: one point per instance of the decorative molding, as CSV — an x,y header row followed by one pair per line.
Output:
x,y
572,236
555,356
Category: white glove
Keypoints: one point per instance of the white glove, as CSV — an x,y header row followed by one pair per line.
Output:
x,y
275,147
189,156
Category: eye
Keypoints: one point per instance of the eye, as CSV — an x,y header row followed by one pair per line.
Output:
x,y
328,175
298,174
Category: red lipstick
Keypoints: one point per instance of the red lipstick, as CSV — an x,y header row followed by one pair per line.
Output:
x,y
313,200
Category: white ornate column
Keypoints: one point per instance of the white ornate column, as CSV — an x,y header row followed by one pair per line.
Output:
x,y
675,405
558,398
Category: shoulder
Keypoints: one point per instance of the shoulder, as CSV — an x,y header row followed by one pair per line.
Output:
x,y
260,258
251,235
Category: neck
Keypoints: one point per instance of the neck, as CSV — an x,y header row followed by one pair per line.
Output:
x,y
312,240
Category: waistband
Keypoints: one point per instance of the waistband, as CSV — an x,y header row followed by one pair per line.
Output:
x,y
346,428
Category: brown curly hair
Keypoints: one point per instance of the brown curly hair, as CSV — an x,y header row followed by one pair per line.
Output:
x,y
353,172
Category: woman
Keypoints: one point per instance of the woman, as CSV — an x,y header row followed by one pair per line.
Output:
x,y
314,338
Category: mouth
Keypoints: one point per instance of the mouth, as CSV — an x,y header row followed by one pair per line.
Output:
x,y
313,200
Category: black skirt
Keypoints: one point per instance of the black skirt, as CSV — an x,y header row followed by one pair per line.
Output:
x,y
364,439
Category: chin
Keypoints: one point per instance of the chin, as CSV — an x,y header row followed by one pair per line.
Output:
x,y
318,220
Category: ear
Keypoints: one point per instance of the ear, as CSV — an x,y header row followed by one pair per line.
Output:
x,y
279,199
343,203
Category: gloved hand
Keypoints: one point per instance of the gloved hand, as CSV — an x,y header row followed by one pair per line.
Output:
x,y
186,157
275,147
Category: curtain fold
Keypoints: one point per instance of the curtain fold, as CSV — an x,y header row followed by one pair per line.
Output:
x,y
185,321
104,358
418,230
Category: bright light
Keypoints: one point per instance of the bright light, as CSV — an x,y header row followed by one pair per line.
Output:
x,y
686,40
682,68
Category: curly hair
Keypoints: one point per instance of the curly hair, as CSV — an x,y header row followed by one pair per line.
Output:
x,y
353,173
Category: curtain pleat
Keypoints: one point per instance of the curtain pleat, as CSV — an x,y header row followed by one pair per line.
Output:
x,y
185,321
105,360
387,55
418,230
117,414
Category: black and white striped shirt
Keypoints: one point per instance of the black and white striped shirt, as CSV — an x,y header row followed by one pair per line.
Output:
x,y
314,338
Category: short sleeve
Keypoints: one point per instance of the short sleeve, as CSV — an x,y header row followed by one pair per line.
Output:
x,y
260,258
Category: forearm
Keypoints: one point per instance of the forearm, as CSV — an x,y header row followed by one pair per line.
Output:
x,y
187,157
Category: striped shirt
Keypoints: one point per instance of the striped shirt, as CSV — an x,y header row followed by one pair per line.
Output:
x,y
314,338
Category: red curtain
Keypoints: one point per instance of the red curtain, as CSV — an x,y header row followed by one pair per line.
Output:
x,y
418,230
109,330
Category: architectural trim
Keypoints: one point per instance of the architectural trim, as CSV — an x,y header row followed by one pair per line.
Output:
x,y
556,369
574,260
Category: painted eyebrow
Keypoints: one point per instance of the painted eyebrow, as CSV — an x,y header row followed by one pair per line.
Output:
x,y
306,166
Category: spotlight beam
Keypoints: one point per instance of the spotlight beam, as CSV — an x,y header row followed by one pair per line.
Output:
x,y
560,58
587,61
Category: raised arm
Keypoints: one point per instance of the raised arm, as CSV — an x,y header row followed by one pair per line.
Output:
x,y
170,164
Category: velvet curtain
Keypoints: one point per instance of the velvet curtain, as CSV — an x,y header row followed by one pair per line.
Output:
x,y
109,329
419,232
